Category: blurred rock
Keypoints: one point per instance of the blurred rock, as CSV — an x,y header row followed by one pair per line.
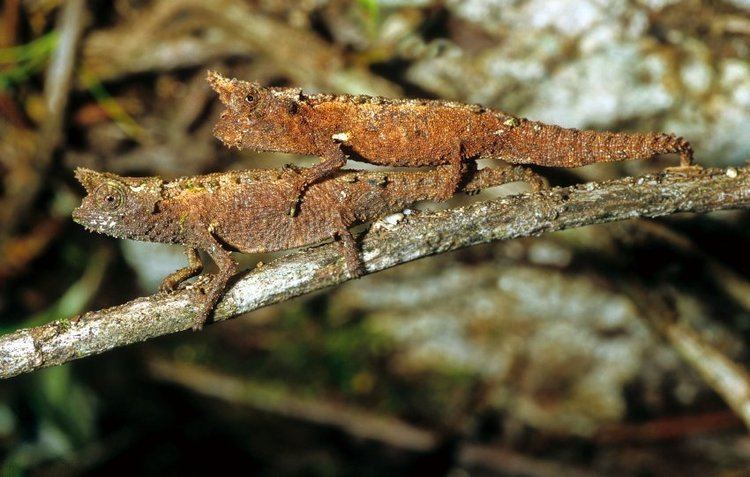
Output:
x,y
152,261
556,348
623,64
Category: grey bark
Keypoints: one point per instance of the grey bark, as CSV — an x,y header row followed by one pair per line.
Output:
x,y
385,245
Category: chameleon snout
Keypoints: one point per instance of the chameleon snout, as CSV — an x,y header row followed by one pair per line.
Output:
x,y
83,217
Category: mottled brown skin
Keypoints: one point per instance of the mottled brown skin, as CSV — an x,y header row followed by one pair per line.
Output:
x,y
247,211
409,132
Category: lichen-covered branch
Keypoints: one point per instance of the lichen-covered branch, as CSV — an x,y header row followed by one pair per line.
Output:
x,y
385,246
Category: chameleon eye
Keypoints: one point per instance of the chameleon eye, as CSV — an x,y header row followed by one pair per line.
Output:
x,y
251,99
110,195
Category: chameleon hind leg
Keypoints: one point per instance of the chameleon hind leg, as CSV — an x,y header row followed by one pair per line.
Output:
x,y
536,181
350,251
218,283
347,244
512,173
195,266
459,173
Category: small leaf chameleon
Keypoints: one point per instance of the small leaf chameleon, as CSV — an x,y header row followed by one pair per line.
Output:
x,y
247,211
411,132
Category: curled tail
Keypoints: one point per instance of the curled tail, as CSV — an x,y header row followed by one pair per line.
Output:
x,y
547,145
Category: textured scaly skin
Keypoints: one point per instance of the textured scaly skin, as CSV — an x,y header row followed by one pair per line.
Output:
x,y
247,211
411,132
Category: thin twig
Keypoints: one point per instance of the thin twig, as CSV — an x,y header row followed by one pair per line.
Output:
x,y
357,422
383,247
275,399
728,378
57,85
725,376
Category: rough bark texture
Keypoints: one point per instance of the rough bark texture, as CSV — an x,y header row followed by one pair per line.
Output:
x,y
384,246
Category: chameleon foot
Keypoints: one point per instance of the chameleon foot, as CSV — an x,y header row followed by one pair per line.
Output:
x,y
294,208
349,249
200,319
536,181
687,164
355,270
211,290
168,286
173,280
205,308
684,169
296,201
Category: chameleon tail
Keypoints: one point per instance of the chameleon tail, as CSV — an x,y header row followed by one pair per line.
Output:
x,y
549,145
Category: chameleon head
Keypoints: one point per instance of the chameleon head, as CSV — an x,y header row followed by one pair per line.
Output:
x,y
241,97
117,206
255,117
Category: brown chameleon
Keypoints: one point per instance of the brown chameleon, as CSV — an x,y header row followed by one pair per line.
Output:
x,y
247,211
411,132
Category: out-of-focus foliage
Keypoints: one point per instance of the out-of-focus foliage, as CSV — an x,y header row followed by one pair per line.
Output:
x,y
24,60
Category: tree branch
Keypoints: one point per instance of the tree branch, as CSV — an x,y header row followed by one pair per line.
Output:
x,y
383,246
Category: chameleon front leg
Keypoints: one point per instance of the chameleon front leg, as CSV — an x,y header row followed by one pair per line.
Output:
x,y
195,266
333,160
455,170
227,268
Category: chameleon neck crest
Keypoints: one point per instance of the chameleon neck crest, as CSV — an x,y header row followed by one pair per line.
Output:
x,y
264,119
